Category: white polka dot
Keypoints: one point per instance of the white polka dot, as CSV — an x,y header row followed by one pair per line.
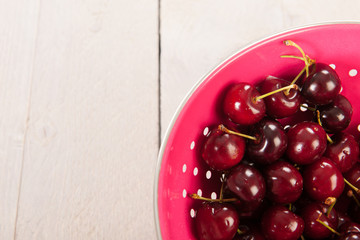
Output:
x,y
192,145
332,66
196,171
208,174
199,192
192,213
303,107
358,127
213,195
206,131
184,193
352,72
184,168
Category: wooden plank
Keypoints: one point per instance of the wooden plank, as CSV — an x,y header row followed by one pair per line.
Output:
x,y
17,42
92,142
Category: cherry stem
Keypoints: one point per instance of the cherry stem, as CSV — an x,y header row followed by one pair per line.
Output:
x,y
302,237
319,121
294,86
327,226
295,79
352,186
221,127
196,196
308,108
330,201
305,58
351,194
240,232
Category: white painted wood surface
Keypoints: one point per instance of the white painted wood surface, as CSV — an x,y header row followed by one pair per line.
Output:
x,y
79,101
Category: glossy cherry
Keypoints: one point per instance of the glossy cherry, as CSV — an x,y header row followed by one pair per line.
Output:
x,y
216,221
344,151
336,116
241,106
313,228
349,227
270,143
322,179
284,182
282,104
247,183
322,85
350,236
306,142
278,222
222,151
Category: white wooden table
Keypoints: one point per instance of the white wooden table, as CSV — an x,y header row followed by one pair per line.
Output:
x,y
87,89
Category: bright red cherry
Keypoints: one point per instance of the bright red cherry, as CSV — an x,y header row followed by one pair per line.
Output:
x,y
306,142
242,106
322,85
216,221
247,183
282,104
314,229
278,222
271,141
222,151
284,182
336,116
344,151
322,179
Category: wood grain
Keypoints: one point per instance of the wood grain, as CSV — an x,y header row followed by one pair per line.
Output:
x,y
18,28
91,147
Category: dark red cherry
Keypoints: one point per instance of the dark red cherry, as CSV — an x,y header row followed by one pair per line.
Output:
x,y
306,142
336,116
342,217
350,236
278,222
241,106
251,232
314,229
284,182
322,85
353,175
282,104
349,227
344,151
222,151
271,142
322,179
216,221
247,183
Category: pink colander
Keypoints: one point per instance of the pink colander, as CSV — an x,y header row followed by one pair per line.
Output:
x,y
181,170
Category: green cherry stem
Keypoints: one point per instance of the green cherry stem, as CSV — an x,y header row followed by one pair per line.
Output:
x,y
226,130
327,226
352,186
319,121
196,196
351,194
330,201
305,58
291,86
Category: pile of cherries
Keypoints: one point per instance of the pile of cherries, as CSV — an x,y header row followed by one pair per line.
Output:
x,y
284,184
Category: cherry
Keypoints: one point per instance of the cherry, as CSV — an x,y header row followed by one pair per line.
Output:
x,y
322,85
284,182
251,232
318,211
306,142
242,106
270,143
282,104
222,151
350,236
349,227
216,221
322,179
344,151
247,183
278,222
336,116
353,175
